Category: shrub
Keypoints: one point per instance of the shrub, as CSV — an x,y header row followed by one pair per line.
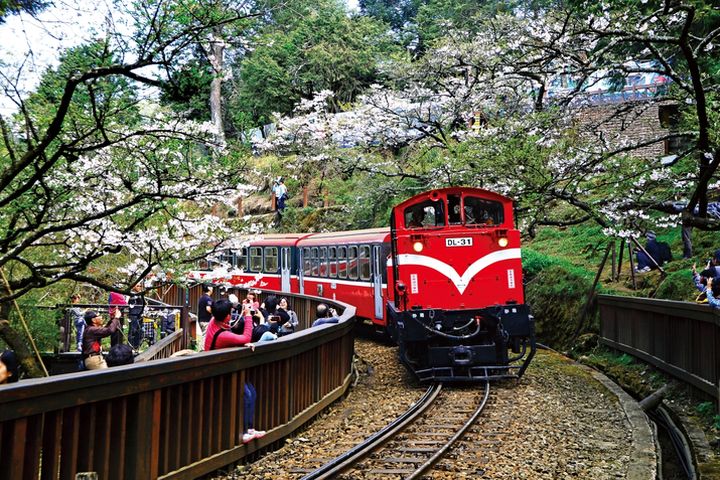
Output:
x,y
557,296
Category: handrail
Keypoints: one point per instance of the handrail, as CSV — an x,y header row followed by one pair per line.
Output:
x,y
164,348
680,338
176,417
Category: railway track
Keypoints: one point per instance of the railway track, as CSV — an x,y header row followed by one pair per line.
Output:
x,y
410,446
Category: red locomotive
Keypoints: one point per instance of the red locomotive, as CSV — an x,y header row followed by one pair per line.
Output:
x,y
444,281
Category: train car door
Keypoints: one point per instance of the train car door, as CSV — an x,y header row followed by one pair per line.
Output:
x,y
377,266
301,270
285,268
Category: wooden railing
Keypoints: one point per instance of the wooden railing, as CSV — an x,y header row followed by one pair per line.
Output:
x,y
172,343
681,338
173,418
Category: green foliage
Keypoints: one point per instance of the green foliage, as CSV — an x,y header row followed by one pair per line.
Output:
x,y
397,14
188,89
435,17
321,50
677,286
557,296
579,245
708,412
535,262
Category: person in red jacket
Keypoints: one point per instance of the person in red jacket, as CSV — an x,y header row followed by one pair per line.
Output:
x,y
218,336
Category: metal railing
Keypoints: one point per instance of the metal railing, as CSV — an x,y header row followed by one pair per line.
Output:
x,y
177,417
680,338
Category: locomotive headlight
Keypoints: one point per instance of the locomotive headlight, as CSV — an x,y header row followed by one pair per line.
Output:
x,y
418,247
503,241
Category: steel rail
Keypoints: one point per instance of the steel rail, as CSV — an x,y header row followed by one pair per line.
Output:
x,y
360,451
422,469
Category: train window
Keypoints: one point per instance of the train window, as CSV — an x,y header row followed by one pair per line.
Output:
x,y
481,211
228,257
314,260
426,214
241,259
364,262
323,268
454,209
342,262
332,262
306,261
256,261
352,263
271,259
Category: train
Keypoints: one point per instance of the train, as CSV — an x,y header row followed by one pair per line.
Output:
x,y
443,281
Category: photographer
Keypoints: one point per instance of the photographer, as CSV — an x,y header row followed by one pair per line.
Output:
x,y
325,315
94,333
712,270
219,333
251,298
263,329
713,293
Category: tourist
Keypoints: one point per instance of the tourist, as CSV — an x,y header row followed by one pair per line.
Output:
x,y
78,319
205,304
92,338
218,336
9,367
115,301
325,315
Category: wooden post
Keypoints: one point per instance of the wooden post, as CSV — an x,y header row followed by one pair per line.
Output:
x,y
305,197
272,202
620,259
612,275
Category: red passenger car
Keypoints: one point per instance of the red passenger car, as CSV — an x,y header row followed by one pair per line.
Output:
x,y
445,281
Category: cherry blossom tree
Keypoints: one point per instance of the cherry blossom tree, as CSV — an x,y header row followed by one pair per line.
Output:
x,y
97,183
527,141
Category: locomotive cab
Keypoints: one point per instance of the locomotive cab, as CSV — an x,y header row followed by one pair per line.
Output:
x,y
457,306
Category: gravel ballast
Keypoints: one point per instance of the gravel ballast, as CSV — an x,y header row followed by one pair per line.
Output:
x,y
558,422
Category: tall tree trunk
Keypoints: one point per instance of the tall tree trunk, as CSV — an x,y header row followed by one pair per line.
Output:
x,y
217,52
17,342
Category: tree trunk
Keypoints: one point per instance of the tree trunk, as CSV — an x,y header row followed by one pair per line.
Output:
x,y
17,342
217,51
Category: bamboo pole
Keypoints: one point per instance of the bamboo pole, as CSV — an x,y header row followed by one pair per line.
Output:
x,y
591,293
637,244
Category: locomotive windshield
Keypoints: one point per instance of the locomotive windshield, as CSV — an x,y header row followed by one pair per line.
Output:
x,y
480,211
426,214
